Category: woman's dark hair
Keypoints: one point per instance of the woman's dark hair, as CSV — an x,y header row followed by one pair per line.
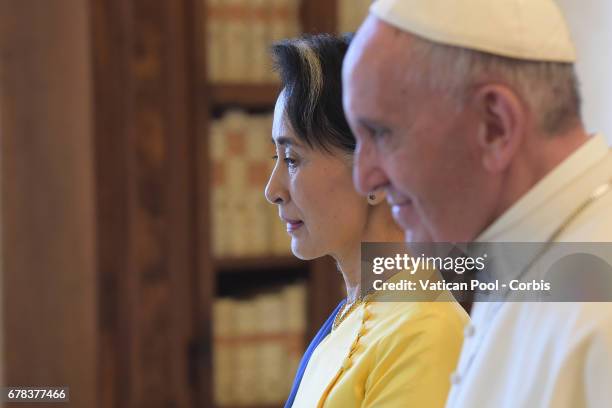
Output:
x,y
310,68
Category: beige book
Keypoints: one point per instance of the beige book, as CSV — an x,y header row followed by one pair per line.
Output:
x,y
279,22
351,14
271,350
344,15
294,304
215,52
260,64
247,367
236,134
223,352
269,31
236,40
218,182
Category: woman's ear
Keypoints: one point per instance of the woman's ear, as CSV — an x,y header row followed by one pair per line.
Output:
x,y
503,123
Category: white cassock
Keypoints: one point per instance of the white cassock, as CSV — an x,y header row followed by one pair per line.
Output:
x,y
544,354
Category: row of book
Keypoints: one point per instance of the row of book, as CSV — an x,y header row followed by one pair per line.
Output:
x,y
239,35
240,32
244,223
351,14
258,344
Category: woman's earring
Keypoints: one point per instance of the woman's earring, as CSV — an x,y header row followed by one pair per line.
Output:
x,y
376,198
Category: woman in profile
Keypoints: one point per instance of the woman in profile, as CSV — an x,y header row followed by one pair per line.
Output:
x,y
369,353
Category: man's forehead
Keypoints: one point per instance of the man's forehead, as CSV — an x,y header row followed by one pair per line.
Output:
x,y
370,39
378,47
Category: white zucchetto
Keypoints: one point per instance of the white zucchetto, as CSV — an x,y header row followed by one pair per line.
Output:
x,y
524,29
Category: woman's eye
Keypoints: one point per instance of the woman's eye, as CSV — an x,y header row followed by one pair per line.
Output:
x,y
290,162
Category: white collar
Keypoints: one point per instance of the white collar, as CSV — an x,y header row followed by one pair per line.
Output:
x,y
510,226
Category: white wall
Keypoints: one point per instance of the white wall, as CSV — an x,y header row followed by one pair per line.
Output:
x,y
591,25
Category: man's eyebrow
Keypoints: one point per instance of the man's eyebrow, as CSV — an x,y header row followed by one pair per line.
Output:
x,y
373,124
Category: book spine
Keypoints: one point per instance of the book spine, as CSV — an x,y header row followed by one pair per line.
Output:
x,y
294,303
236,40
218,208
247,367
259,154
223,356
272,355
215,53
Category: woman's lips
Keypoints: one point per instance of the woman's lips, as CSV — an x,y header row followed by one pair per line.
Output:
x,y
293,225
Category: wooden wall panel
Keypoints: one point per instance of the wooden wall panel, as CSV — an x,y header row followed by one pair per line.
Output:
x,y
48,229
145,174
319,16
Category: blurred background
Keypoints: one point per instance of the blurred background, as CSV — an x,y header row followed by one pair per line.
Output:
x,y
140,264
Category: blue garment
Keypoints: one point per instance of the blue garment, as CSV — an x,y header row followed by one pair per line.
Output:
x,y
323,332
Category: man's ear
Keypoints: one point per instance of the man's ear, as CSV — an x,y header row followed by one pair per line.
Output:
x,y
503,119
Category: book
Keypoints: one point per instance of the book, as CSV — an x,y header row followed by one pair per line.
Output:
x,y
351,13
223,353
294,302
244,223
239,34
258,343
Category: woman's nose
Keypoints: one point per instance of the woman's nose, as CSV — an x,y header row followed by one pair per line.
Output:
x,y
275,191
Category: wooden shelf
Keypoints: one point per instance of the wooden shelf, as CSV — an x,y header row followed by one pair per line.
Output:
x,y
244,95
229,265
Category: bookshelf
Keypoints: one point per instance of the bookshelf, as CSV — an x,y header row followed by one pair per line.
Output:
x,y
219,276
246,96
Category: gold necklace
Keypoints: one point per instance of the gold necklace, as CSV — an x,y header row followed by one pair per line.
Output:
x,y
344,312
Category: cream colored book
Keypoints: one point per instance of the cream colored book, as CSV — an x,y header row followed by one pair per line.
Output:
x,y
280,20
235,134
247,365
219,215
351,13
269,31
223,352
236,41
271,349
215,52
259,65
294,304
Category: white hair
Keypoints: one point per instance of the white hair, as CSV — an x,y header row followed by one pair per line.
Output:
x,y
315,74
550,89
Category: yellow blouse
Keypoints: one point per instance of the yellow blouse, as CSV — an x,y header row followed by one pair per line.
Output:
x,y
386,354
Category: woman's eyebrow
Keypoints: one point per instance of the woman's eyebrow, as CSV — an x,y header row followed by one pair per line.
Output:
x,y
285,141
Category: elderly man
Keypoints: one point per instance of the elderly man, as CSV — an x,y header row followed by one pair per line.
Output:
x,y
467,113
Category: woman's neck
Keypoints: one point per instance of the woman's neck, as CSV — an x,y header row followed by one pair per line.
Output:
x,y
381,228
350,267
